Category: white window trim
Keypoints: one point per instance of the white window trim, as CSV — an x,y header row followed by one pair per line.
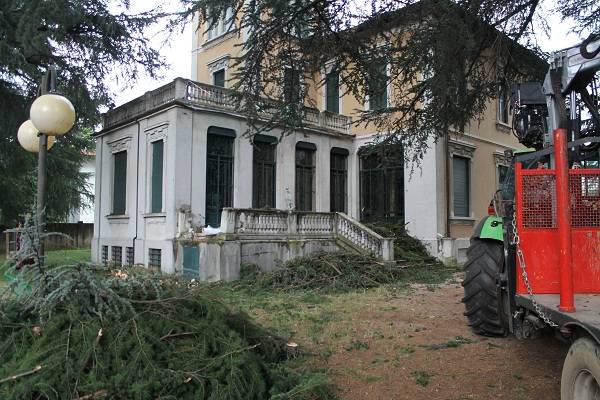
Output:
x,y
154,134
464,150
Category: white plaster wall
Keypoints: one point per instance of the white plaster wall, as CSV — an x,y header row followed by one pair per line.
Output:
x,y
114,231
424,196
185,132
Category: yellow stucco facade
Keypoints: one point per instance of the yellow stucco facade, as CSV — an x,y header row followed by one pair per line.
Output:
x,y
483,141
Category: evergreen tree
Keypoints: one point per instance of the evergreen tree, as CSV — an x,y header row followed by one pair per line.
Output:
x,y
87,40
446,60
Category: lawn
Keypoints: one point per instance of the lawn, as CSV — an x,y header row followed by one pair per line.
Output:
x,y
56,257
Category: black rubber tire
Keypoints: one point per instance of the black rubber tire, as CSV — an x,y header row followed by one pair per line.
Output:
x,y
581,371
483,299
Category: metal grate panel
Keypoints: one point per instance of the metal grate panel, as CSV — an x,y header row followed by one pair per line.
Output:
x,y
104,255
129,256
154,259
539,201
117,255
584,190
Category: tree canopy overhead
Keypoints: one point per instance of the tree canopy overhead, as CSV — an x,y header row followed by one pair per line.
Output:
x,y
445,59
87,40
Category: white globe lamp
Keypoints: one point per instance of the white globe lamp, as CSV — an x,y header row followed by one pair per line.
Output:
x,y
29,139
52,114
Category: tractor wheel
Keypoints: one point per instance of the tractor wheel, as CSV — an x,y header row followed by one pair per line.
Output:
x,y
483,299
581,371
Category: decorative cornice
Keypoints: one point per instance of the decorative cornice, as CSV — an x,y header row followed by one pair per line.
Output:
x,y
461,148
119,145
219,63
501,159
157,132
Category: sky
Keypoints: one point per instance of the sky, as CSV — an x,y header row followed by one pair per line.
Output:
x,y
179,57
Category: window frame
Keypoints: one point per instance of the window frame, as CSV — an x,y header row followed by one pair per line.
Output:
x,y
335,172
218,71
152,169
263,140
390,174
326,95
114,210
385,91
289,97
223,26
503,101
309,148
466,151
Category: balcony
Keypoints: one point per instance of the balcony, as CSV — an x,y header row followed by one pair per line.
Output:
x,y
187,92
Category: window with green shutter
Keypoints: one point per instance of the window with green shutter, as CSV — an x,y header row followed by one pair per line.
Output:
x,y
119,182
157,177
291,85
461,185
378,87
332,89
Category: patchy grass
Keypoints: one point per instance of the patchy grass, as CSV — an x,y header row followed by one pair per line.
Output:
x,y
421,377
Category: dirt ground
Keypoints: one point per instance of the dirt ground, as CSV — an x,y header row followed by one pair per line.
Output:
x,y
417,346
410,342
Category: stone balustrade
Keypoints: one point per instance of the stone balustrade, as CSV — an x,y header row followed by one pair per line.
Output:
x,y
256,223
199,94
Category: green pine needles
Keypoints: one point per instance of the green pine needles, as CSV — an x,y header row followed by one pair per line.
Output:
x,y
83,332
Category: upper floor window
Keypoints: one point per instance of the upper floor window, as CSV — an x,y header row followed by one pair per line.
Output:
x,y
377,86
219,78
221,26
504,111
291,85
332,92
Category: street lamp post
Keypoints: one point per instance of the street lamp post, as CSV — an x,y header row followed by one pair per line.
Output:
x,y
50,115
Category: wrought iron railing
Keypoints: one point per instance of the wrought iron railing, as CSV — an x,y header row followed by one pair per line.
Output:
x,y
219,98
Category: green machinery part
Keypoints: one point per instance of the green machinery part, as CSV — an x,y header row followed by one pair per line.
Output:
x,y
489,227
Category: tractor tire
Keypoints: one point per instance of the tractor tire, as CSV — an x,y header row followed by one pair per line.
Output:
x,y
483,299
581,371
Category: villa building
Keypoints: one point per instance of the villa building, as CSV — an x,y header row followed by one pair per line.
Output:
x,y
175,160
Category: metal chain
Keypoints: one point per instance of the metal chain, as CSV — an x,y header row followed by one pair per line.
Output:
x,y
516,241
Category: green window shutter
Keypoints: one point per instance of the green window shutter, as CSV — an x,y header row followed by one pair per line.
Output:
x,y
378,87
291,85
157,176
461,185
219,78
119,182
333,92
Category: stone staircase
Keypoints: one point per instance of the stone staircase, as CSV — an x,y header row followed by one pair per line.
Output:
x,y
349,234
